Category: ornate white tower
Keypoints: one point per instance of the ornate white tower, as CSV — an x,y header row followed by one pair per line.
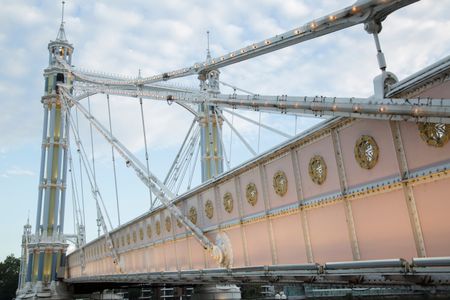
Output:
x,y
210,125
47,247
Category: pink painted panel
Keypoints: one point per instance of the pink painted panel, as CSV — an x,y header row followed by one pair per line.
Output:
x,y
383,226
258,243
182,254
150,222
164,232
205,196
209,261
194,202
251,176
284,164
289,240
228,186
323,147
140,261
171,257
182,206
433,204
329,234
418,153
387,165
151,263
160,258
197,254
235,237
441,91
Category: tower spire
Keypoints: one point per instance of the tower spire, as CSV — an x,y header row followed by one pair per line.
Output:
x,y
208,53
61,33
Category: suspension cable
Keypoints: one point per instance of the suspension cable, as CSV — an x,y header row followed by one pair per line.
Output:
x,y
90,173
182,160
194,165
169,174
149,179
113,160
146,151
94,188
259,130
231,134
188,160
185,159
221,139
93,162
81,169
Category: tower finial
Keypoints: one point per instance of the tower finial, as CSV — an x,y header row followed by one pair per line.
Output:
x,y
61,33
208,53
62,12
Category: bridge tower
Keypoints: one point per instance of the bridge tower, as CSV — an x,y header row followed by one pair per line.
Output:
x,y
210,125
47,247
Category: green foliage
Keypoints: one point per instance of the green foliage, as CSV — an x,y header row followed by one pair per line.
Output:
x,y
9,276
251,291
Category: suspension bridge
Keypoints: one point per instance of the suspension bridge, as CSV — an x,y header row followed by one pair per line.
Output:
x,y
357,201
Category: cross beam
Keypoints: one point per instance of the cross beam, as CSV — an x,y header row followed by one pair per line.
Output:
x,y
416,110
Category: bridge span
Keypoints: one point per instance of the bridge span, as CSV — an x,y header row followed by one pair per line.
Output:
x,y
348,190
361,199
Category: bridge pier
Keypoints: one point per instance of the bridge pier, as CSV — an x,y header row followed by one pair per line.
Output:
x,y
216,291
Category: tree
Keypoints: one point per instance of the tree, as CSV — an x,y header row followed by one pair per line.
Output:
x,y
9,277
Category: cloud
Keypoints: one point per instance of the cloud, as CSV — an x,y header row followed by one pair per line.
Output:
x,y
16,171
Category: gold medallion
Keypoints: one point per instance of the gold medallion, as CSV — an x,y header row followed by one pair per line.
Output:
x,y
435,134
251,193
228,202
366,152
280,183
209,209
317,169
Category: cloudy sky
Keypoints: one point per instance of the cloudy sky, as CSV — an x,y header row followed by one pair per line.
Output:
x,y
158,36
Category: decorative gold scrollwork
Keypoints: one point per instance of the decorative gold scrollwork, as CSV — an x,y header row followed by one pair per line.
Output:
x,y
141,234
317,169
209,209
435,134
280,183
193,215
228,202
128,239
168,222
179,224
158,227
251,193
366,152
134,236
149,231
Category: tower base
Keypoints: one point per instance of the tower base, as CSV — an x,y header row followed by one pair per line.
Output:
x,y
56,290
216,292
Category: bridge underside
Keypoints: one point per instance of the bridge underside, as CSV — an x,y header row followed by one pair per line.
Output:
x,y
356,191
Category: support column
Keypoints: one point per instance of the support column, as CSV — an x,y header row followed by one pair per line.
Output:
x,y
343,183
300,198
41,265
30,267
407,190
42,169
